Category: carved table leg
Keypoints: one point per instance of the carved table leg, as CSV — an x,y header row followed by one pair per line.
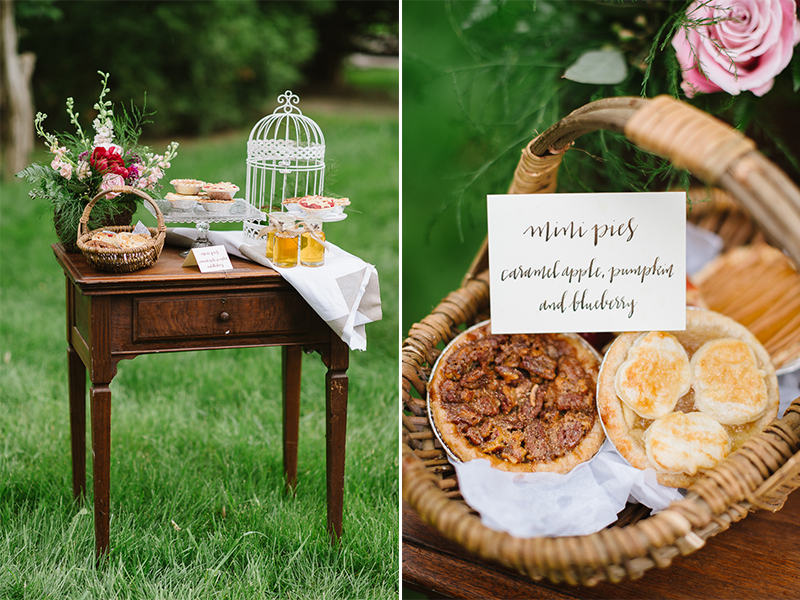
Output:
x,y
77,421
336,384
291,360
101,464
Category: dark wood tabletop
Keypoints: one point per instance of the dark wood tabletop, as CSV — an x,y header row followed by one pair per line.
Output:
x,y
757,558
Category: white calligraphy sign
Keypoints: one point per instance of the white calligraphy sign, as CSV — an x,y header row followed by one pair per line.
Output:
x,y
209,259
587,262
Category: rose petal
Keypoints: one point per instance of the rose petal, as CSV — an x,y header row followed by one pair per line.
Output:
x,y
742,45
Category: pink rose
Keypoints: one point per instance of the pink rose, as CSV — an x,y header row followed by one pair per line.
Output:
x,y
736,45
111,180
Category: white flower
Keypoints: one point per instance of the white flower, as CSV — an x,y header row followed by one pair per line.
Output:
x,y
105,132
84,170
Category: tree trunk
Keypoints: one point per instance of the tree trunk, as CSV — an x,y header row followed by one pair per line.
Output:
x,y
17,70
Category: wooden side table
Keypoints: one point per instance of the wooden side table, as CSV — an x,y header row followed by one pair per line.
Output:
x,y
167,308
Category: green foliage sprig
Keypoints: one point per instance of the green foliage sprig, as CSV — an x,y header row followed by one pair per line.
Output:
x,y
500,70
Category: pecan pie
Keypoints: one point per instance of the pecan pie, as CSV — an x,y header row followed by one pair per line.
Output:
x,y
679,402
524,402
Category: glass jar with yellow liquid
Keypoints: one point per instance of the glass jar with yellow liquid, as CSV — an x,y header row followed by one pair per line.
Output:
x,y
312,244
269,231
286,246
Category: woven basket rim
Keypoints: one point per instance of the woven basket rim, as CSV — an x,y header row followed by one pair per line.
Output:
x,y
122,259
758,475
748,479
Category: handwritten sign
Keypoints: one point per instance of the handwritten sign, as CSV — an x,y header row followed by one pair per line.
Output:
x,y
209,259
587,262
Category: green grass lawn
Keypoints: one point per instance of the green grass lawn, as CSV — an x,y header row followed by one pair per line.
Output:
x,y
373,80
197,493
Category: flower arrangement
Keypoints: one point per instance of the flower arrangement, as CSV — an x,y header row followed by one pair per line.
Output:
x,y
82,166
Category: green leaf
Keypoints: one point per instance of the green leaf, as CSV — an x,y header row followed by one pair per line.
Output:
x,y
795,66
598,67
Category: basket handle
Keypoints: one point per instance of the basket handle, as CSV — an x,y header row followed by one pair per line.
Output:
x,y
691,139
83,228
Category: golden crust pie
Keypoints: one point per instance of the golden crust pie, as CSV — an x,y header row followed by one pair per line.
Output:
x,y
686,443
728,383
525,402
655,374
733,395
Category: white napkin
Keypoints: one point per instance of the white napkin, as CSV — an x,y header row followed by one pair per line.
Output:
x,y
580,502
344,291
702,246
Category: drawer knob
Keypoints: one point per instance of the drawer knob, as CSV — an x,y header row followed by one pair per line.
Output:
x,y
224,317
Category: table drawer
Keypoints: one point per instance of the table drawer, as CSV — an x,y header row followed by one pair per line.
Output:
x,y
158,318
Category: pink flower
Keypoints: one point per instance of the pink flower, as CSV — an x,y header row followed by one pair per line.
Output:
x,y
736,45
63,167
111,180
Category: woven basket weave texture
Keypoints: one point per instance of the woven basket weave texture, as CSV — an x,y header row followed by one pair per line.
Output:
x,y
115,260
758,476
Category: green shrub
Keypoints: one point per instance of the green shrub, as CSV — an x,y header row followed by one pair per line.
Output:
x,y
204,66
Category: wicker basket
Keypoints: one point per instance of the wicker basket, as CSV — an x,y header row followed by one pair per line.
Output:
x,y
122,260
758,476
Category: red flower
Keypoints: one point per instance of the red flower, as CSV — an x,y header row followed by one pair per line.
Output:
x,y
108,160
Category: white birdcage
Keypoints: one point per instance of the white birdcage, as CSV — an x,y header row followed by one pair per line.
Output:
x,y
285,159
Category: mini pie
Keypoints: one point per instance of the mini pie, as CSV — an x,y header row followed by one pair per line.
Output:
x,y
210,200
526,403
732,394
316,202
187,186
221,191
173,197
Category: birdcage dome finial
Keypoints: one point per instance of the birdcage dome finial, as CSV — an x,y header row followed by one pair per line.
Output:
x,y
288,101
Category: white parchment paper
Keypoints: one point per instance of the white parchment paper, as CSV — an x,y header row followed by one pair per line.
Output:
x,y
580,502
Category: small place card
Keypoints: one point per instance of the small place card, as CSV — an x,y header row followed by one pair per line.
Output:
x,y
587,262
209,259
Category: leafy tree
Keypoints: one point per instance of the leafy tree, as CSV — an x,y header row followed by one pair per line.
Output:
x,y
370,26
204,65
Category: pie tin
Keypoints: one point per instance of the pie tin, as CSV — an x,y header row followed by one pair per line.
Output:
x,y
450,454
603,365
